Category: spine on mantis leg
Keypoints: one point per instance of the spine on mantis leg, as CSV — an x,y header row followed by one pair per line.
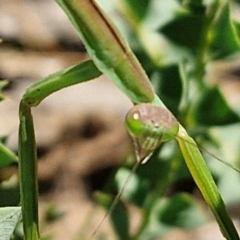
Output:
x,y
109,51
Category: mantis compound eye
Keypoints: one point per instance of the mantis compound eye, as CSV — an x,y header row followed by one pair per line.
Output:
x,y
149,126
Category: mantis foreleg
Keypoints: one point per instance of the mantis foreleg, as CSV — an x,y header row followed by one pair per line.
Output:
x,y
27,148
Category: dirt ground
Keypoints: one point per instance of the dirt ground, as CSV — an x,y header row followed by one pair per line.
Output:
x,y
79,130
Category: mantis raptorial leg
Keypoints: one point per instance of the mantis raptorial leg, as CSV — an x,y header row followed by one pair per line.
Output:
x,y
27,147
112,56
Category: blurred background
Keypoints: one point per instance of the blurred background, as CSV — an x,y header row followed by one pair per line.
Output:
x,y
80,133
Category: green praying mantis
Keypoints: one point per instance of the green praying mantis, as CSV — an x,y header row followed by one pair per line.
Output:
x,y
149,122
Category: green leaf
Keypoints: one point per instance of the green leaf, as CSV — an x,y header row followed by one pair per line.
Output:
x,y
54,212
214,110
3,83
6,156
224,40
136,188
8,219
168,86
119,216
186,30
9,193
179,211
196,6
137,8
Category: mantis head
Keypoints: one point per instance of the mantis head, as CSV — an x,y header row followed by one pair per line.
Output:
x,y
149,126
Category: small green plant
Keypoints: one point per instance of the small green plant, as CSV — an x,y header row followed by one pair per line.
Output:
x,y
175,41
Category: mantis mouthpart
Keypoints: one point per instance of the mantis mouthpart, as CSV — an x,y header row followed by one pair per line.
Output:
x,y
149,126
